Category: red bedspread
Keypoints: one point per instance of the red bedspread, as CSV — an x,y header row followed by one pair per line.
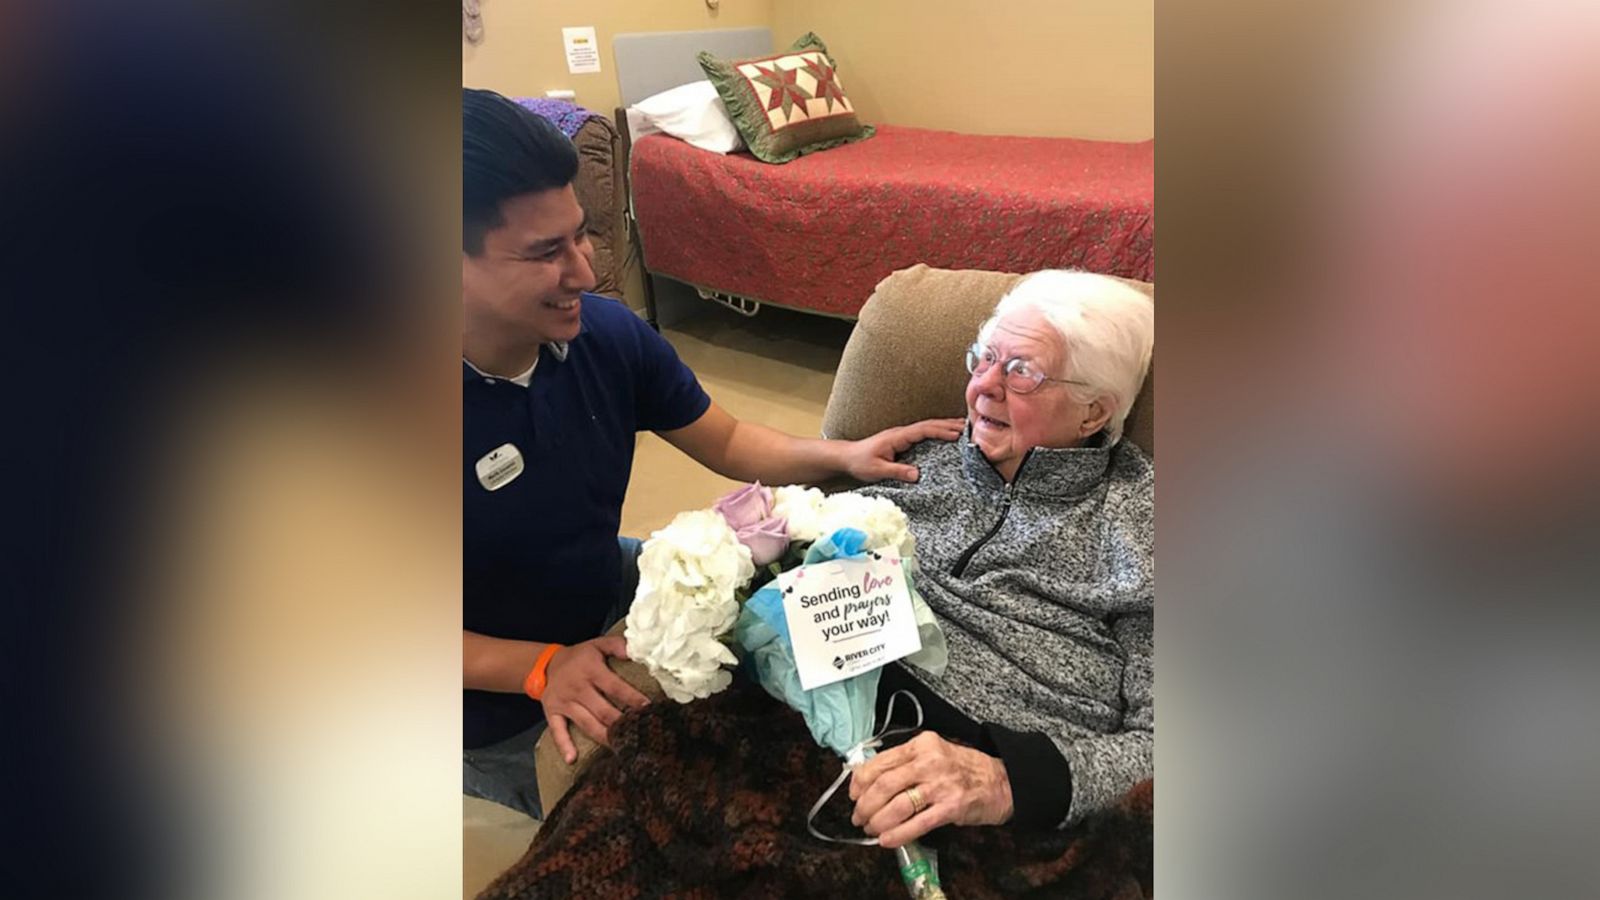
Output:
x,y
819,233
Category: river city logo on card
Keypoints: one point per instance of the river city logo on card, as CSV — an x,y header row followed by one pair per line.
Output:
x,y
838,662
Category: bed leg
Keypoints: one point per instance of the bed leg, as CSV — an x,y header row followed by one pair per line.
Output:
x,y
650,301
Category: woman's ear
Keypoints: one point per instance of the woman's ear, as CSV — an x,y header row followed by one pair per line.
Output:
x,y
1095,417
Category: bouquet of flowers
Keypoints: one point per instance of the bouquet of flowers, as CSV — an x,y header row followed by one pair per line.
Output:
x,y
695,574
710,578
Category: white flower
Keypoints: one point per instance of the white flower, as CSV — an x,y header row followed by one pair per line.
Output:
x,y
697,549
883,522
813,515
688,573
802,508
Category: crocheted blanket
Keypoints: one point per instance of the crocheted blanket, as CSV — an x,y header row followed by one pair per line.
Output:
x,y
709,800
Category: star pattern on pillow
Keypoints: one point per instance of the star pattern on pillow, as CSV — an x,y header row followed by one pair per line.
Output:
x,y
786,92
827,89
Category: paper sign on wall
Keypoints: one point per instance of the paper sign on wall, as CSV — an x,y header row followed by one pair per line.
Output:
x,y
848,616
583,51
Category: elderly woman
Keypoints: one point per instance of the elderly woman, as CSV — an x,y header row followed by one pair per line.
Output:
x,y
1035,540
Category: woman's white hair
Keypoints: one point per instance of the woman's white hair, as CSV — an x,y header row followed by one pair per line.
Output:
x,y
1107,330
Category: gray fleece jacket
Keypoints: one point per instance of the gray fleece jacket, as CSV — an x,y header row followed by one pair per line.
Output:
x,y
1046,592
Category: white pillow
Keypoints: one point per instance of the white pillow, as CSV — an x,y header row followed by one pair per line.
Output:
x,y
692,112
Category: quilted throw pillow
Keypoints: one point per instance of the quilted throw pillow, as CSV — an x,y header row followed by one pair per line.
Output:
x,y
786,104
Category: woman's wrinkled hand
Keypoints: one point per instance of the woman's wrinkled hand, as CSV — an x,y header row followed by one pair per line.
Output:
x,y
958,786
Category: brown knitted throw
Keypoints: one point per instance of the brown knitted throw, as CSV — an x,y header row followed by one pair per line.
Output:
x,y
709,800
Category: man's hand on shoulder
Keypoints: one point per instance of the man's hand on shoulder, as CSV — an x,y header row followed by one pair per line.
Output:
x,y
873,458
582,689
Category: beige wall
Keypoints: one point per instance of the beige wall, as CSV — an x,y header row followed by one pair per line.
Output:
x,y
522,55
1057,68
1067,68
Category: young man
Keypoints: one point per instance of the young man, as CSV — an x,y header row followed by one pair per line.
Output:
x,y
556,383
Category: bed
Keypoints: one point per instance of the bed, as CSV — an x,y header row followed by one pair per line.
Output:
x,y
819,233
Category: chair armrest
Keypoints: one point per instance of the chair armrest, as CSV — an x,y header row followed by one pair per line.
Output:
x,y
555,775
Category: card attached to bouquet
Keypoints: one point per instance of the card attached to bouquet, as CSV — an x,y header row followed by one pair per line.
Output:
x,y
848,616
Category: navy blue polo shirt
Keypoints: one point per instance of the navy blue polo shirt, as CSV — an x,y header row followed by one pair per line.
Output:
x,y
540,557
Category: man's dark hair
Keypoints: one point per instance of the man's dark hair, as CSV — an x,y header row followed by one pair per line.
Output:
x,y
506,151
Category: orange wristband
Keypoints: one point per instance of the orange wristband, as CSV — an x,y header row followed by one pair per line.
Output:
x,y
534,684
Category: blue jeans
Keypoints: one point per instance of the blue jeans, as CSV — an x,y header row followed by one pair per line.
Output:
x,y
504,772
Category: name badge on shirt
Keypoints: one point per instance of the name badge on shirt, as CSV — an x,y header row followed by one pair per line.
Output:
x,y
499,467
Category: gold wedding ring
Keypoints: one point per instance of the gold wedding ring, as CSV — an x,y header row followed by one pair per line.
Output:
x,y
917,803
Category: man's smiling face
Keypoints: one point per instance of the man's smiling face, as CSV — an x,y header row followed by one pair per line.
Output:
x,y
526,281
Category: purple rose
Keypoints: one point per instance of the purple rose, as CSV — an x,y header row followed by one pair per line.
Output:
x,y
746,506
766,539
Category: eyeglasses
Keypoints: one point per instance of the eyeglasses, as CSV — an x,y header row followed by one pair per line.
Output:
x,y
1020,375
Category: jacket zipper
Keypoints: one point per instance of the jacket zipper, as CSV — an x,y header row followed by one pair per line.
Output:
x,y
1005,507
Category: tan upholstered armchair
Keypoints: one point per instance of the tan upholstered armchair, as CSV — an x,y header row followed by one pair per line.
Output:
x,y
902,363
